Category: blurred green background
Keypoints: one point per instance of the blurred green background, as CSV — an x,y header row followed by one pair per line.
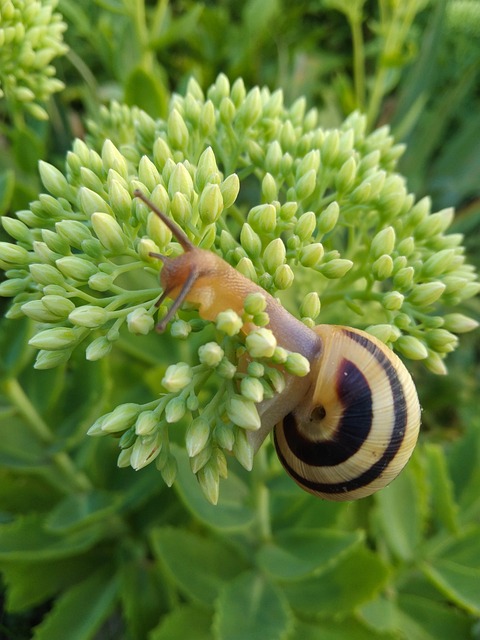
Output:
x,y
132,559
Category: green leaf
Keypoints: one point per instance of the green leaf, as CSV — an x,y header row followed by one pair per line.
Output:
x,y
231,513
298,553
7,185
79,510
464,466
79,613
455,570
14,335
179,624
199,566
27,540
381,615
143,594
340,589
32,583
400,512
250,607
348,629
424,619
146,90
444,506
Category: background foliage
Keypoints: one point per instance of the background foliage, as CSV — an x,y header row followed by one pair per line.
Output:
x,y
104,552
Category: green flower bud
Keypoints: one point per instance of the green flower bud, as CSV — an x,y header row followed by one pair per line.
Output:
x,y
146,423
381,331
180,180
251,389
346,175
435,364
127,439
51,359
224,436
305,186
76,268
306,226
310,306
403,279
283,277
13,253
412,347
226,369
227,111
210,354
16,229
90,202
12,287
383,243
123,459
210,203
382,268
438,263
255,369
441,340
148,173
180,329
169,471
177,130
91,180
297,364
209,482
53,339
109,232
243,450
459,323
229,322
330,148
261,319
45,254
269,188
336,268
98,348
197,436
423,295
261,343
246,268
175,410
251,109
243,413
266,218
177,377
55,243
113,159
312,254
229,189
73,232
274,255
88,316
434,224
254,303
59,305
181,209
273,158
140,322
46,274
144,451
250,241
393,300
100,282
119,197
288,210
35,310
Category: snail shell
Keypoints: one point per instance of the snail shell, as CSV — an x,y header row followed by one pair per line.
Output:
x,y
356,428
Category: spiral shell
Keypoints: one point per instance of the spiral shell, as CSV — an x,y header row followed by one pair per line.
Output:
x,y
357,426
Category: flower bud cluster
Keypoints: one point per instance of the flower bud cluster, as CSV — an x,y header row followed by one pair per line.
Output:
x,y
31,36
331,216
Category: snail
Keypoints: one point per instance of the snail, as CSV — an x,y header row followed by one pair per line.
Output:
x,y
344,430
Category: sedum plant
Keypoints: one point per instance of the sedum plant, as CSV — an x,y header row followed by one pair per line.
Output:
x,y
317,217
31,36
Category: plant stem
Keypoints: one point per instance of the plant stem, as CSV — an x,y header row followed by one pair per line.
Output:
x,y
262,497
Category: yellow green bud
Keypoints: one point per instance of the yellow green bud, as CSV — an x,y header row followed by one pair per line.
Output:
x,y
255,369
346,175
459,323
274,255
435,364
180,181
43,253
382,268
16,229
283,277
51,359
226,369
12,287
148,173
76,268
140,322
113,159
403,279
36,310
127,439
177,130
383,242
438,263
210,354
336,268
177,377
269,188
273,157
146,423
330,147
243,413
229,322
73,232
441,340
306,226
312,254
288,210
227,110
53,339
13,253
266,218
392,300
412,347
45,274
243,450
254,303
197,436
100,281
109,232
89,202
230,188
169,471
381,331
305,186
181,209
434,224
210,203
98,348
252,389
144,451
310,306
261,343
209,482
250,241
54,242
180,329
297,364
175,410
425,294
245,267
121,418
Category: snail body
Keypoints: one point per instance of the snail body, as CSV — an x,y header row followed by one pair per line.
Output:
x,y
344,430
